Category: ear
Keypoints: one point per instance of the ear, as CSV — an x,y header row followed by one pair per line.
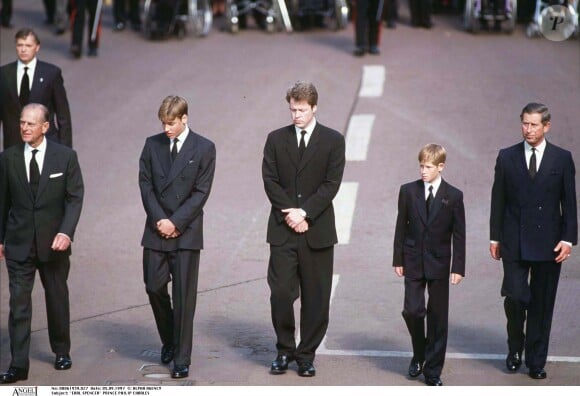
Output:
x,y
184,118
314,108
441,166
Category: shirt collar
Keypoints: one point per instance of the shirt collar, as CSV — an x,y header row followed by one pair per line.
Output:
x,y
308,128
539,148
31,65
183,135
41,147
436,183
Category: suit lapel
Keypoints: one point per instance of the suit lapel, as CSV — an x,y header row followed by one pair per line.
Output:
x,y
12,82
420,201
48,165
438,201
292,146
546,163
20,170
182,159
311,148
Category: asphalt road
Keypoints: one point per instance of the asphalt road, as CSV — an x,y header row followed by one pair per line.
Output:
x,y
441,85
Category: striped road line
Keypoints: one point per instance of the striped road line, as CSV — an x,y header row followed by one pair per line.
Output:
x,y
373,79
358,136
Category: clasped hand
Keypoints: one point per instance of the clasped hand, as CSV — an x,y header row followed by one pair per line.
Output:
x,y
295,220
167,229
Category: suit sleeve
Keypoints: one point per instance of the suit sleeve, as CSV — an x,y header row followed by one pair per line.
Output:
x,y
322,198
274,190
62,111
152,207
400,227
5,202
458,261
193,206
569,203
497,202
73,197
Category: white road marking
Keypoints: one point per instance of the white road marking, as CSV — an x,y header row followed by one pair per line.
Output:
x,y
358,136
344,205
373,79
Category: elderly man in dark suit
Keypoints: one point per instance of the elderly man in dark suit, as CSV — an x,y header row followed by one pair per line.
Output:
x,y
29,80
41,195
429,248
176,172
533,226
302,170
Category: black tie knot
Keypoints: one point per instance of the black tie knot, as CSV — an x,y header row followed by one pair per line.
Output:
x,y
532,169
174,150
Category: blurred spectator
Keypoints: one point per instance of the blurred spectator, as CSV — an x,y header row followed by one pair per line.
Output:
x,y
124,10
80,9
6,13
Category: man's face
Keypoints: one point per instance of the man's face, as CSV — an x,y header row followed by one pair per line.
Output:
x,y
302,113
27,48
533,130
32,127
430,171
174,127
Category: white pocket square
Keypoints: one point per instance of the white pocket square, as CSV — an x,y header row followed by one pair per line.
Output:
x,y
55,175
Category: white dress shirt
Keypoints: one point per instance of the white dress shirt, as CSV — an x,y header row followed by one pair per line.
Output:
x,y
20,73
436,183
181,138
309,129
539,153
39,156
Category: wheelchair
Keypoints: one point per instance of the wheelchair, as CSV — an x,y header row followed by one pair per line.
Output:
x,y
502,14
266,13
163,18
533,28
333,13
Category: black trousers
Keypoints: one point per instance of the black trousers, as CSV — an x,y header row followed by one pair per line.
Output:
x,y
122,13
430,349
53,275
420,12
367,23
80,8
530,290
295,270
6,12
174,323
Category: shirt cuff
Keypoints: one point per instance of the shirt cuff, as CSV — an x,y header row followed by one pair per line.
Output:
x,y
65,235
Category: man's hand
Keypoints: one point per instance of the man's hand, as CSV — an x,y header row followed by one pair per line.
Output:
x,y
455,278
60,243
399,271
1,251
293,217
564,250
495,250
166,229
301,227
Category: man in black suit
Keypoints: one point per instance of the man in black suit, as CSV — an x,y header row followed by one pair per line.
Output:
x,y
43,84
302,171
533,226
430,230
368,20
421,13
41,195
176,172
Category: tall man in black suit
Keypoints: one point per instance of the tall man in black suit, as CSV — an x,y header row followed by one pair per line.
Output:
x,y
176,172
41,196
430,230
29,80
533,226
302,171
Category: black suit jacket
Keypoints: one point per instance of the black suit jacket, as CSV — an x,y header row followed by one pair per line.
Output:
x,y
425,247
56,209
48,90
177,191
310,183
529,217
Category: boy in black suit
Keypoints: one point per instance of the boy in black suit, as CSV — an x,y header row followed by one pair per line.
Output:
x,y
429,236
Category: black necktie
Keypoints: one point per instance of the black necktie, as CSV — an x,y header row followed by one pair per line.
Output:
x,y
302,145
174,150
24,88
429,201
532,168
34,173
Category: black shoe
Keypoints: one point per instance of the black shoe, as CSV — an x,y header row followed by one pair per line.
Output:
x,y
167,353
12,375
359,51
374,50
433,380
6,24
59,31
119,27
280,365
62,362
93,52
415,368
180,371
136,27
391,25
537,373
75,51
513,361
306,369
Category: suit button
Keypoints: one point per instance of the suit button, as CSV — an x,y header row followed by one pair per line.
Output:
x,y
539,208
299,195
177,196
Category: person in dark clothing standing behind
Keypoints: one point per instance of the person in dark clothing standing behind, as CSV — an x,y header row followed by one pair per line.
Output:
x,y
29,80
421,13
368,20
80,9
